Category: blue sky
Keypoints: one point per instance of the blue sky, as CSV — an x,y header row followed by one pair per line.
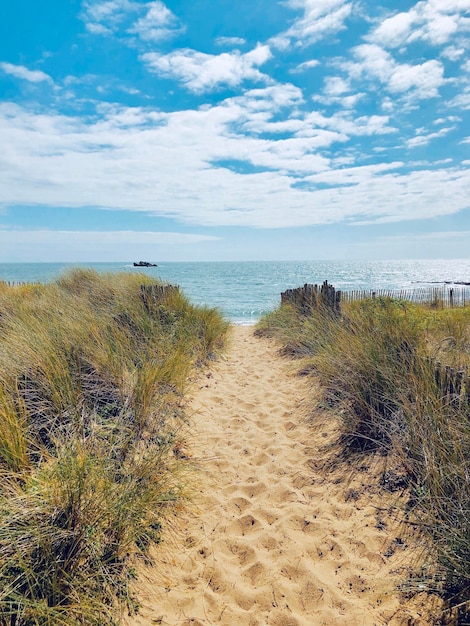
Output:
x,y
223,130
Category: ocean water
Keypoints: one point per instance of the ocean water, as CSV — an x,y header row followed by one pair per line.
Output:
x,y
244,291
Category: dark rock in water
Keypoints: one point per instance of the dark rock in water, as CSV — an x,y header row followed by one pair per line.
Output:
x,y
144,264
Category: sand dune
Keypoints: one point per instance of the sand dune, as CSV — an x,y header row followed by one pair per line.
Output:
x,y
279,532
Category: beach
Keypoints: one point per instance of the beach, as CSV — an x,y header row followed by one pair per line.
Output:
x,y
280,530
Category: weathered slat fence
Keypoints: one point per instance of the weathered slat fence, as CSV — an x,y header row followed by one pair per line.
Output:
x,y
311,297
18,283
437,296
453,383
154,295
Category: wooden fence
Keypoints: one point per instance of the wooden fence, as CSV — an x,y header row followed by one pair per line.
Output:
x,y
311,297
154,295
18,283
437,296
454,383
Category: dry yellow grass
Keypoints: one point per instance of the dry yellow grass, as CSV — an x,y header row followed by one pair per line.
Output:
x,y
91,406
377,366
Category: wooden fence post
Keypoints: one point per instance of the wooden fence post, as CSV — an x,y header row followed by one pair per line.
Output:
x,y
310,297
153,295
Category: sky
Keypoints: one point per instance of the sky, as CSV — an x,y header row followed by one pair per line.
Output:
x,y
234,130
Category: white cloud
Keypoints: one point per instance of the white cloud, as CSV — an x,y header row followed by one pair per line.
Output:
x,y
22,72
353,175
258,105
321,18
433,21
448,118
425,79
420,81
86,246
159,23
423,140
268,157
186,165
103,16
335,92
270,99
150,21
201,72
420,246
107,9
94,238
344,102
394,30
434,236
335,86
412,196
388,105
462,100
306,65
98,29
372,61
452,53
230,41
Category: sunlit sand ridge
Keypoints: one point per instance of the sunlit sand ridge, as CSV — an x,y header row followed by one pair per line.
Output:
x,y
278,534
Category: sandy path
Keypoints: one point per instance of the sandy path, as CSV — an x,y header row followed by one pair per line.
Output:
x,y
275,538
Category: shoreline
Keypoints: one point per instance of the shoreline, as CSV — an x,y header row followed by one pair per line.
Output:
x,y
244,291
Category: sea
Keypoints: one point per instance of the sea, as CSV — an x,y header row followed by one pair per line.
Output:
x,y
245,291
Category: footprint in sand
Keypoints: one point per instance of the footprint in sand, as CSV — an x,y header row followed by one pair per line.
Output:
x,y
253,490
244,525
240,503
258,574
272,541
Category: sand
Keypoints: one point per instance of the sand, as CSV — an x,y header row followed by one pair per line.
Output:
x,y
280,532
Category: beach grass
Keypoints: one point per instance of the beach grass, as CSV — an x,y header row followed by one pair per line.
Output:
x,y
380,367
92,384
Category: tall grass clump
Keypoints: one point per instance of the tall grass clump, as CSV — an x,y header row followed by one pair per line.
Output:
x,y
92,381
377,363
